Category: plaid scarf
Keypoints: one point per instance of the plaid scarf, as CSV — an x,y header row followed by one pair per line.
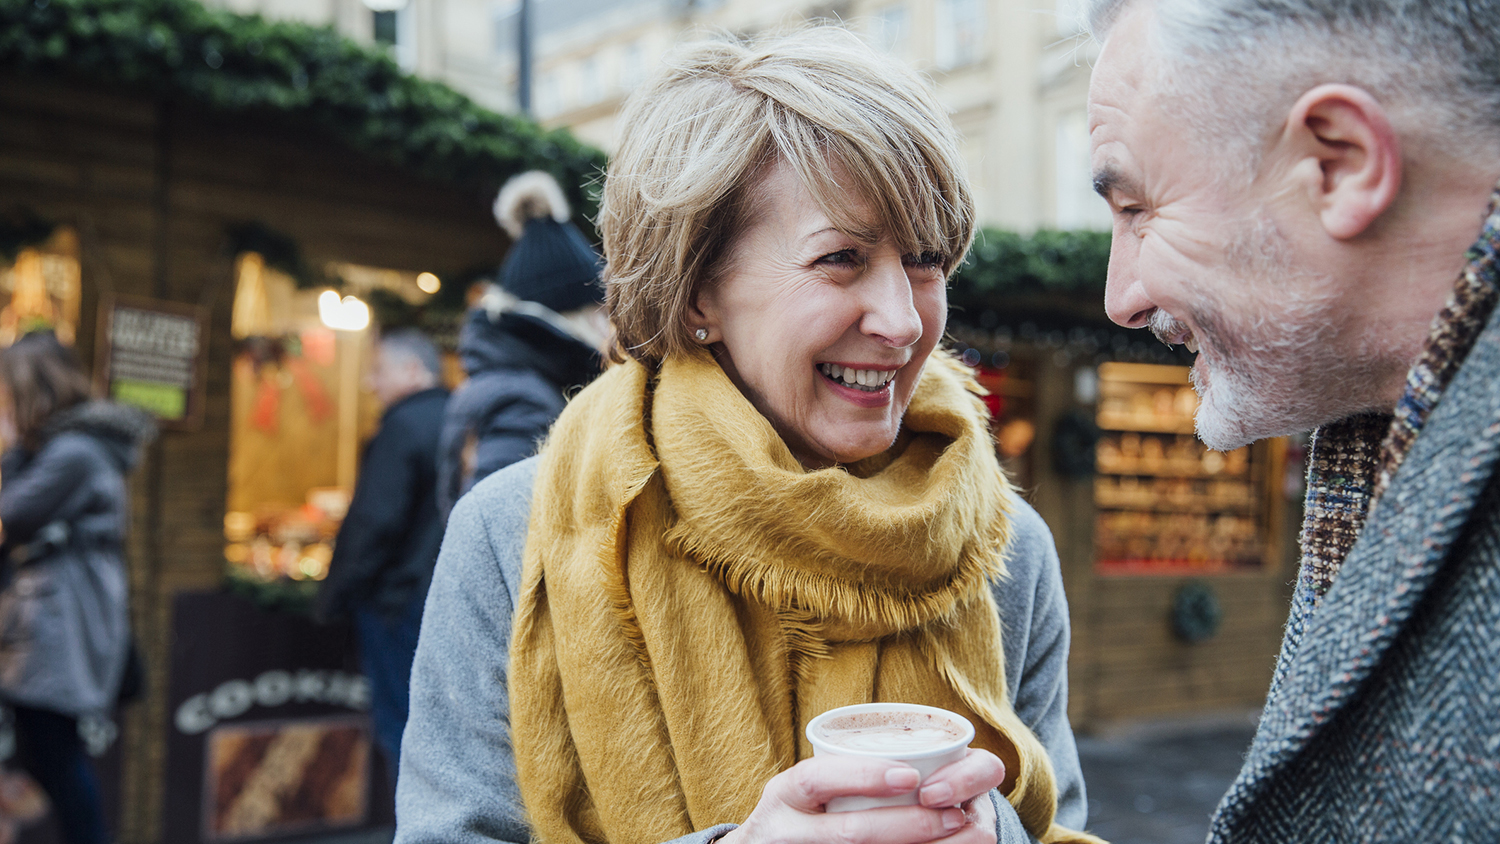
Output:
x,y
1351,462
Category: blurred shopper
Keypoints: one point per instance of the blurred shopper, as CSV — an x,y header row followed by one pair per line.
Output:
x,y
64,624
1307,194
388,543
21,804
533,339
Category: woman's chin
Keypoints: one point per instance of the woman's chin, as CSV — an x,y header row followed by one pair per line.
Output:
x,y
845,450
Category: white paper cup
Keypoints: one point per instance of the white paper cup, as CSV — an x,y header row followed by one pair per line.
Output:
x,y
926,760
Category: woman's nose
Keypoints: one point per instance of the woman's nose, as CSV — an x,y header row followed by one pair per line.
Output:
x,y
891,314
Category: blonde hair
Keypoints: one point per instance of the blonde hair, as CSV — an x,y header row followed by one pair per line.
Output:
x,y
696,138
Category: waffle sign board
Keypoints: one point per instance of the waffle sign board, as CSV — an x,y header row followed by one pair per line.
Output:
x,y
152,356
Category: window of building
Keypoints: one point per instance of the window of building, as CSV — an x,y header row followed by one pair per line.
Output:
x,y
1076,205
632,65
393,23
547,99
960,32
590,89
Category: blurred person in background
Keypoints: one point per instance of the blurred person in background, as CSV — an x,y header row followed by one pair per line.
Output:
x,y
533,339
1306,193
783,498
388,542
64,620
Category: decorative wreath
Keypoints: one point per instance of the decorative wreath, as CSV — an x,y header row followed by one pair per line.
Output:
x,y
1196,613
1074,438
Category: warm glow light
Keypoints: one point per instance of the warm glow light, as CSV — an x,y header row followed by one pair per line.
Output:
x,y
347,314
428,283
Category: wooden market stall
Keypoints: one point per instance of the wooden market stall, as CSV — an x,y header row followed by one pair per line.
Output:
x,y
177,190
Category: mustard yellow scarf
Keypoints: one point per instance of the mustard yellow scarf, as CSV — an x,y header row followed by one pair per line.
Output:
x,y
692,597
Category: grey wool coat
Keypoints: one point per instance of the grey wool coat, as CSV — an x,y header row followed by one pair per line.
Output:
x,y
457,782
64,623
1385,724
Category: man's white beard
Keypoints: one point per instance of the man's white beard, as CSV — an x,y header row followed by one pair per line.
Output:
x,y
1279,370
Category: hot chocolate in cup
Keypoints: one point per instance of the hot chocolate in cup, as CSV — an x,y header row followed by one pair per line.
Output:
x,y
924,737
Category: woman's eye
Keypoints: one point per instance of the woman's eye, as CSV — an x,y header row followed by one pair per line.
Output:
x,y
926,260
841,257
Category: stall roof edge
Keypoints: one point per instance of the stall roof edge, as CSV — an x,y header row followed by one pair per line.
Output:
x,y
243,63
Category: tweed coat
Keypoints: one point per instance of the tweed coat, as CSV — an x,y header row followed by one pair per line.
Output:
x,y
1383,724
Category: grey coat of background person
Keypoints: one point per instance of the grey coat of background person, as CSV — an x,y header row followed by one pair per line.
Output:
x,y
66,623
520,369
457,782
1386,724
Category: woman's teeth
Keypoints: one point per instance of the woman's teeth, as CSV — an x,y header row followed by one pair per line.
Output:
x,y
869,380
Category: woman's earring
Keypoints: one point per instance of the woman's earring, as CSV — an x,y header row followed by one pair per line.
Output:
x,y
701,334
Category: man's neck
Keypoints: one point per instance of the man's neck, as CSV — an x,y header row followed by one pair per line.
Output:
x,y
411,391
1412,276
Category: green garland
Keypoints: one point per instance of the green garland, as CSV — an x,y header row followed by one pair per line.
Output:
x,y
1004,262
230,62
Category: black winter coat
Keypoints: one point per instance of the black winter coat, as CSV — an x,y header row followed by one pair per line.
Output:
x,y
521,370
388,543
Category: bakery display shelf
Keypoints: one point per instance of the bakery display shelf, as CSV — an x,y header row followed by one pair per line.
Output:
x,y
1196,508
1146,426
1175,472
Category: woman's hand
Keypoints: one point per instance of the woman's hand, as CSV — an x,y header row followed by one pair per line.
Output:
x,y
955,803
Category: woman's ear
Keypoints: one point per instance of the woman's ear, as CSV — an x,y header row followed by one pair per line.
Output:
x,y
1348,155
703,317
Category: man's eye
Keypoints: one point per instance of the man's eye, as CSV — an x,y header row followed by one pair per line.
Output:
x,y
925,259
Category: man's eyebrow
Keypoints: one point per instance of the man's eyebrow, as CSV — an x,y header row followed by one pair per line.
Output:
x,y
1108,179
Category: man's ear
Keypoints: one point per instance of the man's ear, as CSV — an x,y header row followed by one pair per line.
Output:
x,y
1348,156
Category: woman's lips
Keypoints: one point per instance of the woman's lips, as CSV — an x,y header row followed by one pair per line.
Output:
x,y
863,386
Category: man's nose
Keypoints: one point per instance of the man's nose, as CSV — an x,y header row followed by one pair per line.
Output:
x,y
1125,300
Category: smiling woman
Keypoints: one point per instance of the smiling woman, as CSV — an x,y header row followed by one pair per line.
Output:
x,y
781,499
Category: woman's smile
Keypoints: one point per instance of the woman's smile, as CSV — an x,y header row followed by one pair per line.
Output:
x,y
863,386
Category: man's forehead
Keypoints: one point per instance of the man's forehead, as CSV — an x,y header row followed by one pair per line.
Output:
x,y
1118,81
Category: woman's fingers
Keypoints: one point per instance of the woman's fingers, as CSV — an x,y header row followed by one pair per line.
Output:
x,y
811,783
791,808
974,775
890,825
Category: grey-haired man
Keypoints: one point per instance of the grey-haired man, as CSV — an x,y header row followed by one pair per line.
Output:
x,y
1305,193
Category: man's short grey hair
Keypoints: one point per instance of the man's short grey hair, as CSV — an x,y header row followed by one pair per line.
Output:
x,y
413,344
1237,66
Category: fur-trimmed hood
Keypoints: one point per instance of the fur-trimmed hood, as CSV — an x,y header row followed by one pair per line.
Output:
x,y
517,339
122,429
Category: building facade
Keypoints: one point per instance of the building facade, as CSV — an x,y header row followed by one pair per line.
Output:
x,y
1014,72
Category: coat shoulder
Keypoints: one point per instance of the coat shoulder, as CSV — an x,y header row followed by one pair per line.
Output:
x,y
1030,552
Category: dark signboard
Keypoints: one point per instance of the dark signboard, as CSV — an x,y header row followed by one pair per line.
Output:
x,y
152,355
267,733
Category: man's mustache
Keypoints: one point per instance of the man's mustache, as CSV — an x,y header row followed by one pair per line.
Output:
x,y
1166,327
